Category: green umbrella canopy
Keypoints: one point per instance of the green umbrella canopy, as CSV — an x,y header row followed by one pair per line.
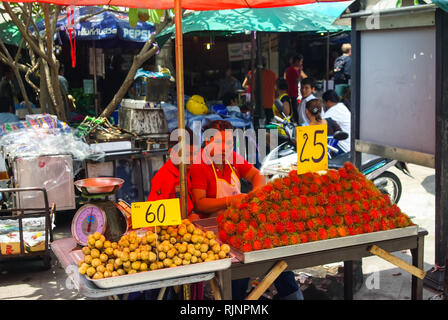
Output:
x,y
316,17
10,34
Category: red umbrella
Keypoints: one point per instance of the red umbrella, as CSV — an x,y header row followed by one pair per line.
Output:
x,y
199,5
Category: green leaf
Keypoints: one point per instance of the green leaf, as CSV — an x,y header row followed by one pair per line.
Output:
x,y
154,16
160,13
398,4
415,2
133,17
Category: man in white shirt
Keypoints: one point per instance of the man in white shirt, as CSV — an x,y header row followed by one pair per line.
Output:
x,y
338,112
307,88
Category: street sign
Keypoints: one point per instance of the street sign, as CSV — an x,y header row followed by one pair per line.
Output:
x,y
312,148
155,213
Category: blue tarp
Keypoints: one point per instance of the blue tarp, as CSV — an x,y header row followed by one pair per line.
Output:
x,y
105,25
237,119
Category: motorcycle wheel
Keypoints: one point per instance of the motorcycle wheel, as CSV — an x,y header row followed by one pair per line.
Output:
x,y
388,183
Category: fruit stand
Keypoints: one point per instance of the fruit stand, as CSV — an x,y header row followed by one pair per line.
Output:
x,y
293,222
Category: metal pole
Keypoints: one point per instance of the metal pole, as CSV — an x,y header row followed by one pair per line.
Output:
x,y
328,59
95,88
180,104
259,112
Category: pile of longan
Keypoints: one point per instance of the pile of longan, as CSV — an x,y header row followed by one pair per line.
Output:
x,y
167,247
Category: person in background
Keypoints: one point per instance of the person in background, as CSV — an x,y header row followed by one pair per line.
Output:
x,y
338,112
69,101
269,78
281,94
8,96
346,98
307,89
293,75
216,183
342,69
313,112
62,79
333,56
247,85
228,84
230,100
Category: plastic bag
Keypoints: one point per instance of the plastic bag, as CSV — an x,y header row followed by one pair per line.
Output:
x,y
38,142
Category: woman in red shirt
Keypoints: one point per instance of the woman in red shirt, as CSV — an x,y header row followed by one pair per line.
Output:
x,y
215,182
216,173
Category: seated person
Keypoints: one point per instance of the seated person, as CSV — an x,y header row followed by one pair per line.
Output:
x,y
166,185
307,89
339,112
230,100
166,182
314,114
215,182
281,88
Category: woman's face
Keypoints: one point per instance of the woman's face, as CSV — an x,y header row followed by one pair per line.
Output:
x,y
221,146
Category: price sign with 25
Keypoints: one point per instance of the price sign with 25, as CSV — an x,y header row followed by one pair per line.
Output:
x,y
155,213
312,148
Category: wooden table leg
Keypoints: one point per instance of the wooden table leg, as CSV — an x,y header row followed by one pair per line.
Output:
x,y
215,288
348,280
267,280
225,282
417,261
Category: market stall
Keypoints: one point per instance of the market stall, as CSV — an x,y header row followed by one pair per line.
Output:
x,y
293,222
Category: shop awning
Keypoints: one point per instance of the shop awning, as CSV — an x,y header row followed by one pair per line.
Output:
x,y
315,17
186,4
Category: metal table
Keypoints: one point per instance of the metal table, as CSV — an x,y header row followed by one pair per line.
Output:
x,y
62,248
348,254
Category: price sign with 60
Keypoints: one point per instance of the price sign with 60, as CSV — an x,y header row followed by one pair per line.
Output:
x,y
155,213
312,148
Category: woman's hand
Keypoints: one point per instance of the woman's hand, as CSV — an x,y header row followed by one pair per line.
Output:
x,y
237,198
255,177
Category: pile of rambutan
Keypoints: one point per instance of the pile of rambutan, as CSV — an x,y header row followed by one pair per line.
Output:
x,y
309,207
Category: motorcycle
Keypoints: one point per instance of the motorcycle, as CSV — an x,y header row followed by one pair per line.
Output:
x,y
375,168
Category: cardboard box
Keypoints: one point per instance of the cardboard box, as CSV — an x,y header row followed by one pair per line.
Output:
x,y
37,247
9,248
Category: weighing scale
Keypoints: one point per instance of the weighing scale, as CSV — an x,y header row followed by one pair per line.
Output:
x,y
100,214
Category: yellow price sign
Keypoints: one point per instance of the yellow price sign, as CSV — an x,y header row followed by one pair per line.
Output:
x,y
312,148
155,213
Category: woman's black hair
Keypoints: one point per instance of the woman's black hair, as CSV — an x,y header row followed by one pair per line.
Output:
x,y
189,141
309,81
220,125
330,95
282,84
314,106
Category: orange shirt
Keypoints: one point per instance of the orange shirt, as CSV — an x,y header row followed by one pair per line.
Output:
x,y
269,78
164,183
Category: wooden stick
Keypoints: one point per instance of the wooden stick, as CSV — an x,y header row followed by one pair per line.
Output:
x,y
267,281
215,288
161,293
397,261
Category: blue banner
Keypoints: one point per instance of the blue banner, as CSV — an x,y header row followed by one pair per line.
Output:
x,y
106,24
